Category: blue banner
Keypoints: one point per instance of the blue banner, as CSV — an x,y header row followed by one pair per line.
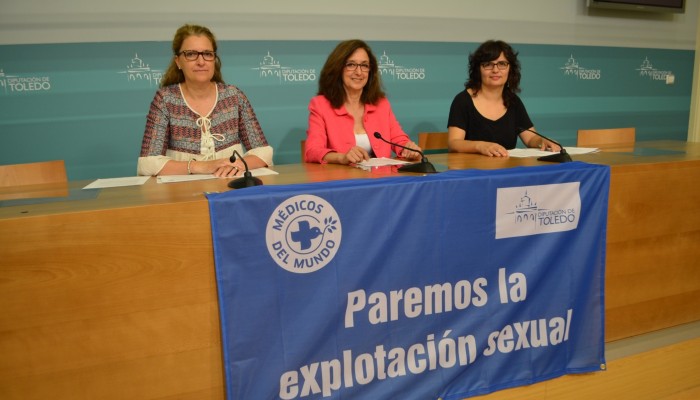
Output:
x,y
424,287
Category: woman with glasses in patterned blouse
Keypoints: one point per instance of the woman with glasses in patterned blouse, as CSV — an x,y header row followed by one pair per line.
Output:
x,y
196,121
350,107
488,116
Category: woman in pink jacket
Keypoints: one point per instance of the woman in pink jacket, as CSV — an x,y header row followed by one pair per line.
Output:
x,y
350,108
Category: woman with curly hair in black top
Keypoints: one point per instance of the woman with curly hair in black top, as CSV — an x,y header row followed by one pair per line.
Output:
x,y
488,116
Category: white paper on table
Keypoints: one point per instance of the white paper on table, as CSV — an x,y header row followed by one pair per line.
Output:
x,y
117,182
199,177
581,150
381,162
530,152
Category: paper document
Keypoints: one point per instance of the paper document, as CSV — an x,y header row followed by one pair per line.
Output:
x,y
199,177
117,182
380,162
530,152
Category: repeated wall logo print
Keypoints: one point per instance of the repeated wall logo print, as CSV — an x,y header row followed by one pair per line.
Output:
x,y
647,70
573,69
137,70
387,67
270,68
12,84
3,81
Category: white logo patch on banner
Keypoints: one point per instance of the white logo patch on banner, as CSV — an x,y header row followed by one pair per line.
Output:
x,y
303,234
533,210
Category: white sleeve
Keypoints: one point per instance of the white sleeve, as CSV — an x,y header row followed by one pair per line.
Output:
x,y
151,165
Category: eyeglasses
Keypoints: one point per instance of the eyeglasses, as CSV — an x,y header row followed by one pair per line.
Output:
x,y
192,55
351,66
490,65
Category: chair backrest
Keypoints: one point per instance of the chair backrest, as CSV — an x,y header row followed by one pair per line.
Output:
x,y
303,151
33,173
600,137
432,140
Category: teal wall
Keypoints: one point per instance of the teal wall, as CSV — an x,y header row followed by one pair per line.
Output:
x,y
77,102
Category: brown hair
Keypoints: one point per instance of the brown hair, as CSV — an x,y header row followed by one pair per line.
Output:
x,y
330,83
489,51
173,74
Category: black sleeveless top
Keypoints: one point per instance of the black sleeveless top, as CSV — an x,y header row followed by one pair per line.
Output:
x,y
503,131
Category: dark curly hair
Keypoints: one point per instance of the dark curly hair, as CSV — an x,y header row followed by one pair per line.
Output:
x,y
489,51
330,82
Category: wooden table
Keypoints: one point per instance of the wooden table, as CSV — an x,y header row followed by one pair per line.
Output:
x,y
112,294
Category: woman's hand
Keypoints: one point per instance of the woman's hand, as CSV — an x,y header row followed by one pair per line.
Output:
x,y
222,168
491,149
408,154
228,169
549,146
533,140
355,155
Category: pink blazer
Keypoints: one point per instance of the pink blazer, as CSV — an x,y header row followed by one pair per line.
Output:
x,y
331,129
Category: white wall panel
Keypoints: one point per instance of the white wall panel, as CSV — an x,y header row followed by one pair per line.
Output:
x,y
518,21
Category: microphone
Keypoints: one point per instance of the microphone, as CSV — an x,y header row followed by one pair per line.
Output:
x,y
247,180
424,166
560,157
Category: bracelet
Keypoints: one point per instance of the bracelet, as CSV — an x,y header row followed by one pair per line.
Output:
x,y
189,171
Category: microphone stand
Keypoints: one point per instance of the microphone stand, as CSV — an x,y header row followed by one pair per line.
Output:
x,y
560,157
247,180
423,167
